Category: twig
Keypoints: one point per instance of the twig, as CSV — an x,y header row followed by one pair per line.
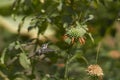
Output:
x,y
98,49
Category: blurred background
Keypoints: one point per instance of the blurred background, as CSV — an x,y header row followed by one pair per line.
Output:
x,y
52,14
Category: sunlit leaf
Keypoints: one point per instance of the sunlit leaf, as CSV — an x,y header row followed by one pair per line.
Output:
x,y
24,61
68,40
60,6
17,46
18,78
3,56
11,46
91,17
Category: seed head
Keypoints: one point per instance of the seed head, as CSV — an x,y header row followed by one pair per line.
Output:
x,y
95,70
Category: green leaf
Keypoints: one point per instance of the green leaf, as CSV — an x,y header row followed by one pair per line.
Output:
x,y
3,56
21,77
17,46
18,78
11,45
60,6
68,40
90,17
91,37
24,61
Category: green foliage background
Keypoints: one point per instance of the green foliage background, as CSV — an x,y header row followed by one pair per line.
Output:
x,y
59,15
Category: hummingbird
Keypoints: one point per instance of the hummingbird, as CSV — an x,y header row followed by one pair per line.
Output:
x,y
42,50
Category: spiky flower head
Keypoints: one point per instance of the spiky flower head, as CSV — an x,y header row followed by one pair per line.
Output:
x,y
77,31
95,70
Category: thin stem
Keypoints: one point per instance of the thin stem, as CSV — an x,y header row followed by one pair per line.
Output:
x,y
66,68
86,61
20,47
98,49
69,59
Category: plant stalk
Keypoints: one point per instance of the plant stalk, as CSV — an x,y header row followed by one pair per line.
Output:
x,y
66,68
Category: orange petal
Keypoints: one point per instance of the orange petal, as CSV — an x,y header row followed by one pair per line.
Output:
x,y
80,40
83,40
